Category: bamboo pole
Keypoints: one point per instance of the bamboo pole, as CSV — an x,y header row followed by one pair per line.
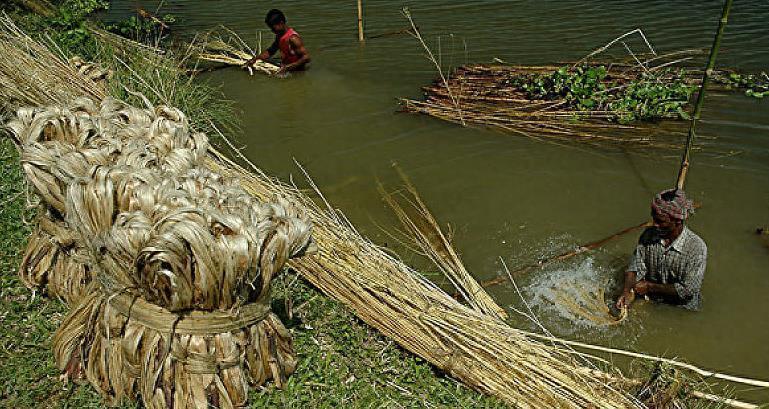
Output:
x,y
701,95
360,22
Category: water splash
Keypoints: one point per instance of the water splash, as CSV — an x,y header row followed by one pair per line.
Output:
x,y
553,294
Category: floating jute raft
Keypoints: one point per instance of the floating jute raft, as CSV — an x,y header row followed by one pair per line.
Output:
x,y
166,264
595,102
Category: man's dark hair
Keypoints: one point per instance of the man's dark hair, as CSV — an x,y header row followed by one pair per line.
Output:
x,y
274,16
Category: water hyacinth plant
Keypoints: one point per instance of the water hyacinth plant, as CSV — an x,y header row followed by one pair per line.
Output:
x,y
591,88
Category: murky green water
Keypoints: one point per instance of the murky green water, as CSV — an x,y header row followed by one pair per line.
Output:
x,y
511,197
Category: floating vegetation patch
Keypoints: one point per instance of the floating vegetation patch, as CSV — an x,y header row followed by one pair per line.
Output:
x,y
585,88
755,85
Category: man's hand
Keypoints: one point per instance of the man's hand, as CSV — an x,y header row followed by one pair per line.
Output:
x,y
625,299
263,56
642,287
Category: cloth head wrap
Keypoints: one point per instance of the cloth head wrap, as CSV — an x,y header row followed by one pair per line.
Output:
x,y
673,203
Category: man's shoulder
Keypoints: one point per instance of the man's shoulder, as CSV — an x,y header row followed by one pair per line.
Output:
x,y
649,237
694,242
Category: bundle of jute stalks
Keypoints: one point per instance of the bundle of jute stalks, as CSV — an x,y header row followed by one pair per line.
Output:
x,y
224,46
170,264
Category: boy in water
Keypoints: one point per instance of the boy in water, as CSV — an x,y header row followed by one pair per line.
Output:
x,y
293,55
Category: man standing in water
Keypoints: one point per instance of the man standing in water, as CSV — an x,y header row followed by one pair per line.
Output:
x,y
669,262
293,55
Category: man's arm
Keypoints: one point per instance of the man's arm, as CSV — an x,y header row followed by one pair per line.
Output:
x,y
269,52
636,271
665,291
627,291
304,57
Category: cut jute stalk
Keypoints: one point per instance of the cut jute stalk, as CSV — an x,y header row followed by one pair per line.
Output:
x,y
726,401
224,46
425,231
695,369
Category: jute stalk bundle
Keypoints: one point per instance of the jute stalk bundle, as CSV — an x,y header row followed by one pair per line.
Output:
x,y
227,47
477,349
176,309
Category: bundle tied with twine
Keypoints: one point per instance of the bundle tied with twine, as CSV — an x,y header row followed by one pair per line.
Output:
x,y
167,265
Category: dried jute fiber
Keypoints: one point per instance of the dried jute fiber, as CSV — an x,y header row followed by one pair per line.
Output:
x,y
165,264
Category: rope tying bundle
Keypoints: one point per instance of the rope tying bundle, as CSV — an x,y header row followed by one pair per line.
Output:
x,y
167,265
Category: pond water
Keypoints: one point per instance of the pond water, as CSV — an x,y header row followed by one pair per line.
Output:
x,y
510,197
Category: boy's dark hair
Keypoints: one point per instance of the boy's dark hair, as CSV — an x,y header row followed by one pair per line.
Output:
x,y
274,16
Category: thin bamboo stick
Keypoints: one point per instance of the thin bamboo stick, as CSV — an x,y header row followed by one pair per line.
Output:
x,y
684,169
699,371
360,22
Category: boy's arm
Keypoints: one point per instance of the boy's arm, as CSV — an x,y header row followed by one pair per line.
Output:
x,y
304,56
269,52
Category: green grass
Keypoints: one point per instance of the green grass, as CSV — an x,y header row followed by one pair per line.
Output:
x,y
28,375
342,361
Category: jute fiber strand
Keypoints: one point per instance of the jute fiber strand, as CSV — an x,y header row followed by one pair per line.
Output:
x,y
479,350
176,307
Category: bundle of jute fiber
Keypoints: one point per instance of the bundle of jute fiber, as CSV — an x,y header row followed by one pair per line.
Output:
x,y
53,261
177,306
475,348
63,144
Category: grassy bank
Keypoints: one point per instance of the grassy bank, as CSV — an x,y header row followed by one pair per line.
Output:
x,y
342,362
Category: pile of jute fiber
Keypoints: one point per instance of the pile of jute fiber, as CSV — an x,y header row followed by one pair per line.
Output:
x,y
470,345
166,264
